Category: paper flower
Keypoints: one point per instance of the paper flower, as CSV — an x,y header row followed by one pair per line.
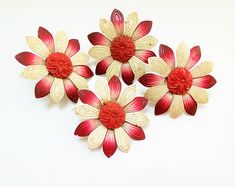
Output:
x,y
113,118
62,68
123,47
178,88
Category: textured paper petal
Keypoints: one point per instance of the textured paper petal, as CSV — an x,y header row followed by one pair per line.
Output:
x,y
190,104
150,80
78,81
134,131
107,28
96,138
103,91
199,95
71,90
88,97
137,104
47,38
27,58
137,118
99,52
159,66
137,66
34,72
177,106
87,111
86,127
163,104
114,69
167,54
195,55
97,38
83,71
142,29
203,69
115,87
147,42
61,42
123,140
156,92
72,48
79,59
109,144
43,87
182,54
127,95
127,74
143,55
103,65
204,82
57,90
118,21
130,24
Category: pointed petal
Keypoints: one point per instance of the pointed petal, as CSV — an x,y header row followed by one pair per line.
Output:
x,y
167,54
99,52
97,38
137,104
143,55
137,118
96,138
142,29
79,59
150,80
127,95
203,69
61,42
204,82
72,48
103,91
147,42
87,111
109,144
123,140
43,87
159,66
190,104
86,127
157,92
195,55
163,104
88,97
137,66
199,95
114,69
118,21
103,65
177,106
71,90
47,38
83,71
27,58
115,87
78,81
130,24
57,90
107,28
182,54
34,72
127,74
134,131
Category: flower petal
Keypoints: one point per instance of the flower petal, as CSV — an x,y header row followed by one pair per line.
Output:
x,y
142,29
57,90
37,46
87,111
127,74
72,48
34,72
103,91
96,138
177,107
109,144
97,38
78,81
86,127
107,28
190,104
123,140
118,21
137,104
203,69
61,42
27,58
83,71
127,95
47,38
156,92
159,66
79,59
163,104
195,55
130,24
137,118
147,42
115,87
43,87
114,69
71,90
199,95
150,80
137,66
182,54
88,97
134,131
143,55
167,54
204,82
103,65
99,52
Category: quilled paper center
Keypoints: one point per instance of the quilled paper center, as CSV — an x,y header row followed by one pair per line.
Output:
x,y
179,81
59,65
122,48
112,115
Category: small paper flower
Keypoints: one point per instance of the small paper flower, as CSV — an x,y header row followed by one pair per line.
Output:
x,y
178,87
113,118
58,63
123,47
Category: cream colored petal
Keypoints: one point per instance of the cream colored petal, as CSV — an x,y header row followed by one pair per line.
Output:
x,y
130,24
127,95
113,69
57,90
103,90
147,42
34,72
96,138
122,139
199,95
203,69
159,66
61,42
80,59
87,111
137,66
137,118
177,106
108,29
78,80
99,52
37,46
182,54
156,92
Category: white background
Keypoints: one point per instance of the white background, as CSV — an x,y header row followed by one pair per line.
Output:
x,y
37,145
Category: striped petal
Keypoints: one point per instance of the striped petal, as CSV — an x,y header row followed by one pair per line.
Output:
x,y
142,29
190,104
123,140
204,82
57,90
163,104
159,66
143,55
43,87
114,69
156,92
79,59
203,69
108,29
103,65
127,74
118,21
199,95
150,80
177,106
137,118
137,66
134,131
86,127
130,24
147,42
71,90
137,104
97,38
78,81
72,48
182,54
34,72
83,71
115,87
127,95
103,90
61,42
27,58
195,55
109,144
87,111
167,54
47,38
96,138
88,97
99,52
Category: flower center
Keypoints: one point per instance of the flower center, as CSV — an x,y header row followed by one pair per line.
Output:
x,y
179,81
122,48
112,115
59,65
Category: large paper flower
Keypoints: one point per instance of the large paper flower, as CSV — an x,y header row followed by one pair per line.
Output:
x,y
123,47
177,87
113,118
62,68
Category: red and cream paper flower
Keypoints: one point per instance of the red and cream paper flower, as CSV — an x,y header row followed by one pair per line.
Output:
x,y
113,118
123,47
178,87
62,68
